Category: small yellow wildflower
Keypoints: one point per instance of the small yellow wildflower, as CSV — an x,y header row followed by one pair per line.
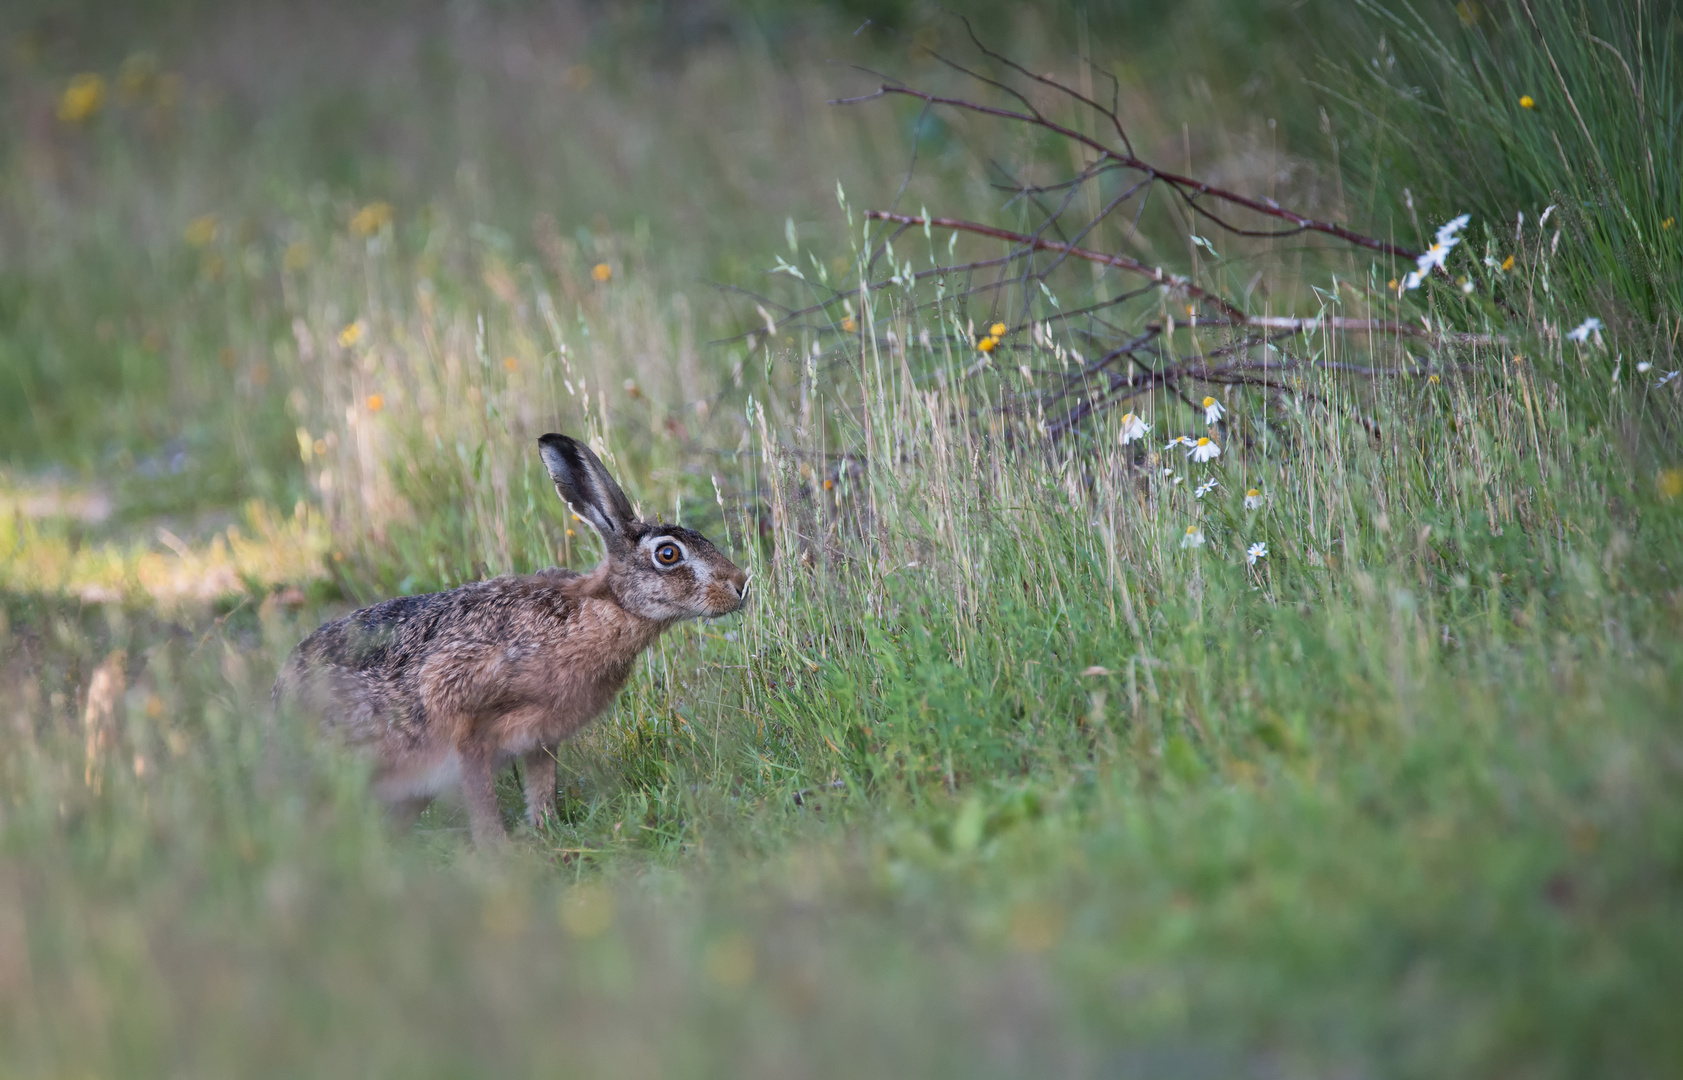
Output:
x,y
510,363
1668,223
601,271
997,330
296,256
848,325
1526,101
351,334
1507,264
376,402
200,231
1432,379
82,99
1392,284
987,344
1670,483
371,218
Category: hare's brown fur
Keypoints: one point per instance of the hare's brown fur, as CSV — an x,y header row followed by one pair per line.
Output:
x,y
450,687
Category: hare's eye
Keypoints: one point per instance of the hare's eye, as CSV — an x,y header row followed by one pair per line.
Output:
x,y
668,554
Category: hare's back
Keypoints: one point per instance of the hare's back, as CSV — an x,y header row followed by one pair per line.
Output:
x,y
373,672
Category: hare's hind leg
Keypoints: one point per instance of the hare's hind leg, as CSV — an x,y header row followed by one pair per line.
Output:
x,y
479,791
539,767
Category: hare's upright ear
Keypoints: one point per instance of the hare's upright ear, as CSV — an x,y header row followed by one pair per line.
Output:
x,y
584,484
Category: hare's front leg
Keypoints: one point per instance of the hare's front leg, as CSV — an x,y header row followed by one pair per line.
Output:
x,y
479,791
539,766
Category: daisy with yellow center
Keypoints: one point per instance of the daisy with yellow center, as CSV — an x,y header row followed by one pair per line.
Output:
x,y
1253,499
1447,237
1179,440
1133,429
1194,537
1256,551
1212,410
1205,449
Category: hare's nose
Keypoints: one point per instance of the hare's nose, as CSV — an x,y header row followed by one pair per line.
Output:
x,y
741,587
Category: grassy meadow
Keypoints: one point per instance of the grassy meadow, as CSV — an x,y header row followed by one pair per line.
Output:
x,y
1024,759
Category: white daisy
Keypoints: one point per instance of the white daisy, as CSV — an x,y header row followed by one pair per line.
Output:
x,y
1253,499
1212,410
1205,449
1193,538
1256,551
1582,332
1178,440
1132,428
1205,488
1446,234
1434,256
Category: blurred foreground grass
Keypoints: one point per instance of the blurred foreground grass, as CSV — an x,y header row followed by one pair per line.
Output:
x,y
1000,774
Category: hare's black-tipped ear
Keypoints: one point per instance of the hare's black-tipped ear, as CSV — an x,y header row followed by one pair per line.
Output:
x,y
584,484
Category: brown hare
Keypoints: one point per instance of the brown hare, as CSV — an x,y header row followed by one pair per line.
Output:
x,y
450,687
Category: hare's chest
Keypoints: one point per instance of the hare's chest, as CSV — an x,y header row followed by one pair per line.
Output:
x,y
591,661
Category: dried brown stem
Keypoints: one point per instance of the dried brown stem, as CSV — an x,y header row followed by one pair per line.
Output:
x,y
1026,240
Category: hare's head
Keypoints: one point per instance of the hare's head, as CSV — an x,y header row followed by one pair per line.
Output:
x,y
661,572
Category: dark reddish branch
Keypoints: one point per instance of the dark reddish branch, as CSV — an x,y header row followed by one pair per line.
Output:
x,y
1121,262
1189,188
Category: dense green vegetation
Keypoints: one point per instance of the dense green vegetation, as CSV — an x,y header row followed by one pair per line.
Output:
x,y
1001,773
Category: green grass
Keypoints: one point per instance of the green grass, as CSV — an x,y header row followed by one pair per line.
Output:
x,y
994,777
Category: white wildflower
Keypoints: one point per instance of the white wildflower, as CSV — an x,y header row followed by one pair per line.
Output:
x,y
1204,450
1206,487
1212,410
1256,551
1178,440
1253,499
1194,537
1434,256
1133,428
1447,234
1582,332
1643,368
